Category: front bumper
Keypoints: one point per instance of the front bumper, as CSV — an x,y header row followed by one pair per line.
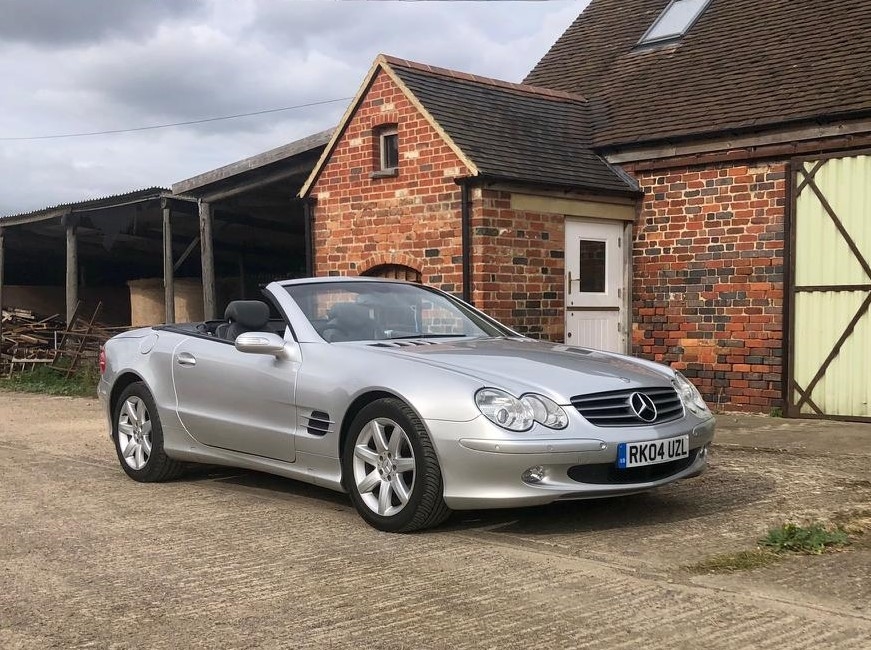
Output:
x,y
482,464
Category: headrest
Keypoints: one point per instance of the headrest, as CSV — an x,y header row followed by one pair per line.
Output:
x,y
248,313
351,314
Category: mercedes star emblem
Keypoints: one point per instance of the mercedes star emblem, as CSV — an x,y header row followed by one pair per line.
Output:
x,y
642,406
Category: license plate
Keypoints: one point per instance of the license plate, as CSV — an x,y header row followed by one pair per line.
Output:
x,y
651,452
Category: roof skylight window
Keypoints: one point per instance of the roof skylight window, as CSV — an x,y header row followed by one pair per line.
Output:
x,y
674,21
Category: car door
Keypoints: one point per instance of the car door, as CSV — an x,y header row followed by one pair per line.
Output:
x,y
234,400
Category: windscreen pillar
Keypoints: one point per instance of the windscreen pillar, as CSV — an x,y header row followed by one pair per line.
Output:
x,y
168,271
70,222
207,256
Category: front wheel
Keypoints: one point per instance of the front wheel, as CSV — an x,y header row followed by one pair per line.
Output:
x,y
139,437
391,471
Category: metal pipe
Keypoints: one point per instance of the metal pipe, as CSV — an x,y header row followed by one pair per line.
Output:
x,y
466,226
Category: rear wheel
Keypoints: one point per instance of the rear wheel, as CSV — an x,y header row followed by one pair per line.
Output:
x,y
139,437
391,470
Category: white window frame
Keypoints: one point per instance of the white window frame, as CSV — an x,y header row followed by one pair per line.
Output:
x,y
672,36
383,134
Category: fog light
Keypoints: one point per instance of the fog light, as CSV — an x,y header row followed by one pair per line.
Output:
x,y
703,453
533,475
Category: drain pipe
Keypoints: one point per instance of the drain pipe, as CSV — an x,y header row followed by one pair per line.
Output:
x,y
308,219
466,226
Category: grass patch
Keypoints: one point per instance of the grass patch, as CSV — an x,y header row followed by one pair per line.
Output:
x,y
45,381
740,561
813,539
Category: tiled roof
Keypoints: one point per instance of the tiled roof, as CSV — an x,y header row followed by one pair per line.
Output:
x,y
512,131
745,64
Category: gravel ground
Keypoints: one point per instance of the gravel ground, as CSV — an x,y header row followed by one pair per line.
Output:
x,y
234,559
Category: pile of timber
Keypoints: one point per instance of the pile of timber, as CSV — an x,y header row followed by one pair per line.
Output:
x,y
27,337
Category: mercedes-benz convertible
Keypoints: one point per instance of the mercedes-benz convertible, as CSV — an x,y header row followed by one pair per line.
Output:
x,y
406,398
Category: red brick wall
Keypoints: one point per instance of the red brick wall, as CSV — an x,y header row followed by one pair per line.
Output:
x,y
518,265
708,285
412,218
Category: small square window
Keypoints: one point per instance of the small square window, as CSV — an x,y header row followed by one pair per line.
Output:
x,y
389,149
674,21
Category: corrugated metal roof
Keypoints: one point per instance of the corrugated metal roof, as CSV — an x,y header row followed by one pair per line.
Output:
x,y
276,155
88,204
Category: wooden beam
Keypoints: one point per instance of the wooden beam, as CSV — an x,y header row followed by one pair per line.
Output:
x,y
207,257
168,278
187,251
72,285
283,225
299,171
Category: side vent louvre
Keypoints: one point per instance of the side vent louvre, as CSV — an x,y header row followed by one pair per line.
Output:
x,y
319,423
402,344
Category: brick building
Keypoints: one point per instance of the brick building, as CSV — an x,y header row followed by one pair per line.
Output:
x,y
687,180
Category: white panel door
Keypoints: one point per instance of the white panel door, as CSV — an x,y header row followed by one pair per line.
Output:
x,y
595,297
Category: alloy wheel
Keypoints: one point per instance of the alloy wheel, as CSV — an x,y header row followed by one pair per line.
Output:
x,y
384,466
134,432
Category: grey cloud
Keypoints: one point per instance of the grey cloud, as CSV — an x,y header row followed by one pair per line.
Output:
x,y
430,32
65,22
137,66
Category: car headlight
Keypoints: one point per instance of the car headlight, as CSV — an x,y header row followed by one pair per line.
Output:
x,y
690,395
518,414
545,411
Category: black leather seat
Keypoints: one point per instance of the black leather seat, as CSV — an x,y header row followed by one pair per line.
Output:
x,y
243,316
349,321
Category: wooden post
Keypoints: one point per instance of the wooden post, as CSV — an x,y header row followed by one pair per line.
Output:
x,y
168,276
207,256
72,288
2,249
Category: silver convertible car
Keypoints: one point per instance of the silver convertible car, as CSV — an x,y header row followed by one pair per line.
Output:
x,y
408,399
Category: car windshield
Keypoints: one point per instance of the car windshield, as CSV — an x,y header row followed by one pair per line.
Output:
x,y
364,311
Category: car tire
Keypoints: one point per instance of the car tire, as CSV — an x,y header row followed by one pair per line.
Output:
x,y
391,471
138,437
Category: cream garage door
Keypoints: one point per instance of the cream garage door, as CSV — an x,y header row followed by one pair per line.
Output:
x,y
830,346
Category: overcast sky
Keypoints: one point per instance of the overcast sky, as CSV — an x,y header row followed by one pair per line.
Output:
x,y
95,65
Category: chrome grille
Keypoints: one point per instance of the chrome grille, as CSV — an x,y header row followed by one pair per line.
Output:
x,y
613,408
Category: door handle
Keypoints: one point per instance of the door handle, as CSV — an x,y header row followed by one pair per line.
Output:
x,y
186,359
569,285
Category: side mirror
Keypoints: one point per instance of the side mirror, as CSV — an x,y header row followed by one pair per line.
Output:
x,y
261,343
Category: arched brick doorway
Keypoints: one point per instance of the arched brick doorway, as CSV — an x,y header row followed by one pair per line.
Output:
x,y
394,271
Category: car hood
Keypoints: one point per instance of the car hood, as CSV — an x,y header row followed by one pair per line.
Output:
x,y
525,365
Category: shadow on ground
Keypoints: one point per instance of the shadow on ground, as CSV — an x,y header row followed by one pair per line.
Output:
x,y
717,492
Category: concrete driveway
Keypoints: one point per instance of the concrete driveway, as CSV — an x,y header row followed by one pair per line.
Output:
x,y
225,558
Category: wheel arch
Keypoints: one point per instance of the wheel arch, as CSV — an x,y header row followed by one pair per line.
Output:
x,y
123,381
361,402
